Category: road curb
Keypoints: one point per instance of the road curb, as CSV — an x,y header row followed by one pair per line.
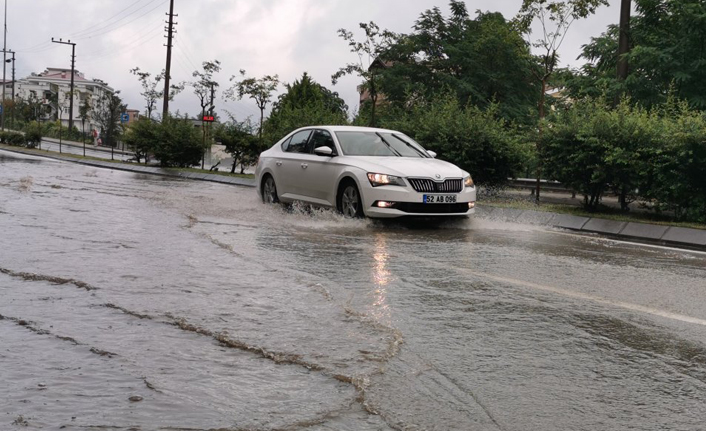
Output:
x,y
671,236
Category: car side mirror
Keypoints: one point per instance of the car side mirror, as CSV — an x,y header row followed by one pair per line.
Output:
x,y
431,154
324,151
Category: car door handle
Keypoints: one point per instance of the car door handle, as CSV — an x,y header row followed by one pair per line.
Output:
x,y
278,163
304,166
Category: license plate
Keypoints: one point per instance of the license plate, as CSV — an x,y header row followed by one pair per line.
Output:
x,y
439,199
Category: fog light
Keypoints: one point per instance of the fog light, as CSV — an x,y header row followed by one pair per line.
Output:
x,y
384,204
471,205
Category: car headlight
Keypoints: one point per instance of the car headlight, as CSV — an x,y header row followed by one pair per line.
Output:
x,y
468,181
385,180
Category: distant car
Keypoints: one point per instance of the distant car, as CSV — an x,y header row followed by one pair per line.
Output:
x,y
361,172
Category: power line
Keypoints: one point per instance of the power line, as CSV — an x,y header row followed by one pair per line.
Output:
x,y
105,21
126,43
43,45
95,33
128,48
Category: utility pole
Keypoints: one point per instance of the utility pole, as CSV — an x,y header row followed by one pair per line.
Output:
x,y
168,68
71,92
9,51
624,39
12,119
4,61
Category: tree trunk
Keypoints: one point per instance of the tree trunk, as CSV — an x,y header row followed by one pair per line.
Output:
x,y
232,168
262,117
539,139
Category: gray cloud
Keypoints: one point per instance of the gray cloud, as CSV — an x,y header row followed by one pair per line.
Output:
x,y
284,37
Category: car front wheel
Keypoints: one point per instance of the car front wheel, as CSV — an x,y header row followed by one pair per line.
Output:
x,y
351,203
269,191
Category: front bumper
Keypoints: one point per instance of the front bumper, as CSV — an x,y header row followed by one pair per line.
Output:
x,y
408,203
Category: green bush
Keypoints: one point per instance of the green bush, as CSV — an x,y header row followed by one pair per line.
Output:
x,y
33,136
475,139
12,138
142,137
657,156
179,143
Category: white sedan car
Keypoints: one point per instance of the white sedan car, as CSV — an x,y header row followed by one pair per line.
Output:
x,y
361,172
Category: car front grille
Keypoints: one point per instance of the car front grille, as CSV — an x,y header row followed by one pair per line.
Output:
x,y
420,208
426,185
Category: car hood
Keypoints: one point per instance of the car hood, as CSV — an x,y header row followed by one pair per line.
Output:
x,y
405,166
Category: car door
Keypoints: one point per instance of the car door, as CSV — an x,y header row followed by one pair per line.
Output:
x,y
321,171
289,165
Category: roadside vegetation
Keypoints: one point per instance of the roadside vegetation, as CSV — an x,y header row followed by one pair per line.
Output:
x,y
482,91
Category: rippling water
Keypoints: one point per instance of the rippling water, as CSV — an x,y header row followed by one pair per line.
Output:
x,y
138,302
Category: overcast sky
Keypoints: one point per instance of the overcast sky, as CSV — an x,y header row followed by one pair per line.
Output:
x,y
284,37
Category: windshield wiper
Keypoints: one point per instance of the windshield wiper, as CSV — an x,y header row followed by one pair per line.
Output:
x,y
388,145
411,146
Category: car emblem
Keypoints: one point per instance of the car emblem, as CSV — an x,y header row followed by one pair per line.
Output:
x,y
437,176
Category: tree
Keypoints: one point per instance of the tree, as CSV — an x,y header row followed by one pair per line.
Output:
x,y
84,113
178,143
142,137
258,89
667,39
240,142
107,113
150,89
370,60
555,18
484,60
305,103
204,86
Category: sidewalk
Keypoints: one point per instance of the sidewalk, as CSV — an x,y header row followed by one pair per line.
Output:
x,y
679,237
88,146
151,170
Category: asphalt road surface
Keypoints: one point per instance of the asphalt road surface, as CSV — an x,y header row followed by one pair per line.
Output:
x,y
140,302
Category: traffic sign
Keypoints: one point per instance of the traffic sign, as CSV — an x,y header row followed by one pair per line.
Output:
x,y
0,109
208,118
124,118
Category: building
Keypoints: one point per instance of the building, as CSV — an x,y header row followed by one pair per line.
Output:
x,y
53,88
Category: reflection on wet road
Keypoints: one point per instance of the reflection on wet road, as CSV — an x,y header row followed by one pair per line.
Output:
x,y
139,302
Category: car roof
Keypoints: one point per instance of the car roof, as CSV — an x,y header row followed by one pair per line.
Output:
x,y
349,129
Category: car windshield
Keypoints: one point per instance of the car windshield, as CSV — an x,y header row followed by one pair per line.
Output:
x,y
384,144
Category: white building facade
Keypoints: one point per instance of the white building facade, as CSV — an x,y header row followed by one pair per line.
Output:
x,y
53,88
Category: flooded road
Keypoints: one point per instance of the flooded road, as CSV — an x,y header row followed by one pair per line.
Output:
x,y
136,302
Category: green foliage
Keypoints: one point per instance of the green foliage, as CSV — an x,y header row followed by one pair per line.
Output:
x,y
107,113
12,138
33,135
667,54
258,89
477,140
371,61
657,155
306,103
142,137
178,143
152,92
484,60
240,142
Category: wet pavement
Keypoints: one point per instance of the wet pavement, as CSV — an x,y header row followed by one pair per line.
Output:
x,y
139,302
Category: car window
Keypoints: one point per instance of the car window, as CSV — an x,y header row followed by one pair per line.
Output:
x,y
321,138
298,142
285,144
378,144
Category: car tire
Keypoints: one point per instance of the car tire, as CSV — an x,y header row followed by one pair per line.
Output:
x,y
269,190
350,203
